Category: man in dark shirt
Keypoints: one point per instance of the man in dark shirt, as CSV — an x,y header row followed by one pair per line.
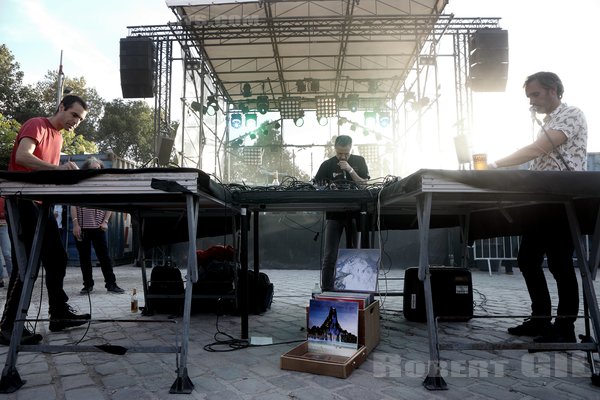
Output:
x,y
342,169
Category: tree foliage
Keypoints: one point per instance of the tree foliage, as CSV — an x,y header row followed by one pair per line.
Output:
x,y
9,128
11,79
127,128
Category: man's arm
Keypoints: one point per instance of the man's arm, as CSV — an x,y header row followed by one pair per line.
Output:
x,y
541,146
27,159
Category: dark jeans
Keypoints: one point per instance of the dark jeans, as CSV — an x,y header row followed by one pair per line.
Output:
x,y
96,238
333,233
550,235
52,256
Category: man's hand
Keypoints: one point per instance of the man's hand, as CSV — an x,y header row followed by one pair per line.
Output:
x,y
345,166
68,165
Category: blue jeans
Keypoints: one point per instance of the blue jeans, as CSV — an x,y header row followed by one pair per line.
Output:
x,y
5,247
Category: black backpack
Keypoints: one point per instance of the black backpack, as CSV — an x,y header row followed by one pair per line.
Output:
x,y
262,295
165,280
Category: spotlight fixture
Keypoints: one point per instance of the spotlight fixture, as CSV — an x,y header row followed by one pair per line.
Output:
x,y
384,119
323,121
370,118
314,85
243,108
251,121
352,101
252,155
246,90
326,107
299,122
290,108
301,86
262,104
370,152
198,107
212,106
236,121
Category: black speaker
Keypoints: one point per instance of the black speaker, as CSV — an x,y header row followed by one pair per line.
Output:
x,y
165,147
488,60
137,67
451,292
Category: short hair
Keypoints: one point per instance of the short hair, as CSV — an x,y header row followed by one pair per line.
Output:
x,y
90,161
71,99
548,80
343,140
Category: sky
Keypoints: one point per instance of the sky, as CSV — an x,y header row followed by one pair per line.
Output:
x,y
552,35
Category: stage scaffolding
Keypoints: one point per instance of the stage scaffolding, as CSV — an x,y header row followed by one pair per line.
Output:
x,y
401,95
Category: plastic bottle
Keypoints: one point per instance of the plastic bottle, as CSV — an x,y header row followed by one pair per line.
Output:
x,y
316,290
134,302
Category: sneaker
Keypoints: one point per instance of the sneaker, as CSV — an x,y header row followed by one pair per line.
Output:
x,y
86,290
559,333
114,288
27,337
67,319
531,327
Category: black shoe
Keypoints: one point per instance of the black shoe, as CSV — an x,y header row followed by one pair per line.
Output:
x,y
558,334
531,327
26,338
67,319
86,290
114,288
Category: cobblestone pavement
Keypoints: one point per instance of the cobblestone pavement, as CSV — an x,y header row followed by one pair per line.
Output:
x,y
394,370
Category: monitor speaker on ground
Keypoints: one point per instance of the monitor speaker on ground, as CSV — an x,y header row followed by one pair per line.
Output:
x,y
137,67
488,60
165,147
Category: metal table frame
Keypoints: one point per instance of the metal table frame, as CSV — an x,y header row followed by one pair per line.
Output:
x,y
438,195
133,192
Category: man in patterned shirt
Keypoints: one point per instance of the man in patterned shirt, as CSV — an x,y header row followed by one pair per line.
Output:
x,y
561,145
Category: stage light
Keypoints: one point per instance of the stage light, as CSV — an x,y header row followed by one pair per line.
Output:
x,y
251,121
212,106
314,85
370,119
352,102
370,152
384,119
252,155
262,104
323,121
198,107
373,85
246,90
290,108
299,122
353,127
236,121
326,107
243,108
301,86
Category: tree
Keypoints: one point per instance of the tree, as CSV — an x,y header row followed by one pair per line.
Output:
x,y
11,78
8,132
127,128
275,158
47,88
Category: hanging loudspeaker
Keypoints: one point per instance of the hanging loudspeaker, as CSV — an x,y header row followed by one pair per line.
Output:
x,y
488,60
137,67
165,147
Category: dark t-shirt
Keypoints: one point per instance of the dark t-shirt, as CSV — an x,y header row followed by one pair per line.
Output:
x,y
330,172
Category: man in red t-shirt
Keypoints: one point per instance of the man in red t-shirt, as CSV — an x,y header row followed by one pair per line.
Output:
x,y
37,147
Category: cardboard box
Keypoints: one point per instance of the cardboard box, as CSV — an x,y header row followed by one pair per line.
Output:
x,y
300,359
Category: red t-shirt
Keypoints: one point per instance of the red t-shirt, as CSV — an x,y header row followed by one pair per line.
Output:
x,y
48,142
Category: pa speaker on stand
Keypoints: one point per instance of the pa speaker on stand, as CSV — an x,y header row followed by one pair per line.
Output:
x,y
137,67
488,60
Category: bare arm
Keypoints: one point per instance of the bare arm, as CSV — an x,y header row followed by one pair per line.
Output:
x,y
538,148
348,168
27,159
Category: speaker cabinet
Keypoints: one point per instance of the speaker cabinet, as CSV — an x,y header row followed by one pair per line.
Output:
x,y
451,292
165,147
137,67
488,60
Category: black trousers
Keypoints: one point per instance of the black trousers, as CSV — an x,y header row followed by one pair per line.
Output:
x,y
97,238
549,235
52,256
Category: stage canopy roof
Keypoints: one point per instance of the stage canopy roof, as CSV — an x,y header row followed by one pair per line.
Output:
x,y
346,49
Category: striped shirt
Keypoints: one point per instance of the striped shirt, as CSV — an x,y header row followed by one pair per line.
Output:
x,y
90,218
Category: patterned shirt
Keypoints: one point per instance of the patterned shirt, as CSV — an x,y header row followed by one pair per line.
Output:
x,y
90,218
570,121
